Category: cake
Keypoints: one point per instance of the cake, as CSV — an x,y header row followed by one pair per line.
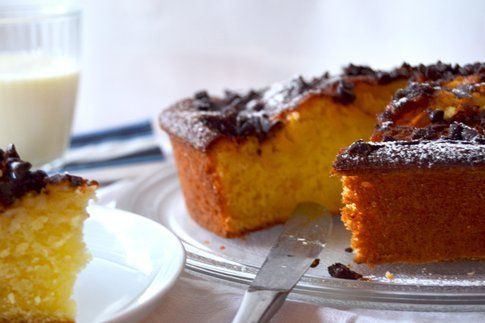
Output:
x,y
41,246
245,160
415,194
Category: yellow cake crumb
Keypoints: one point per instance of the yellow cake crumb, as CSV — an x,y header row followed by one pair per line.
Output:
x,y
41,253
389,275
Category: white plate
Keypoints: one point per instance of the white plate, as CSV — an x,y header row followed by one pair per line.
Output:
x,y
135,262
446,286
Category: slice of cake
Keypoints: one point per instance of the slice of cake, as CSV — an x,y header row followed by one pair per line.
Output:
x,y
41,246
246,160
418,196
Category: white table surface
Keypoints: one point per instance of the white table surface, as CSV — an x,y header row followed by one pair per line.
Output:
x,y
195,300
140,56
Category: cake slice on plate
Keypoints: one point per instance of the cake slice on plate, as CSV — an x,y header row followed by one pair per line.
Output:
x,y
41,242
418,194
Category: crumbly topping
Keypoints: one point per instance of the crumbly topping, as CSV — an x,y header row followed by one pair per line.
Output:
x,y
17,178
441,71
417,97
399,155
202,119
426,125
430,111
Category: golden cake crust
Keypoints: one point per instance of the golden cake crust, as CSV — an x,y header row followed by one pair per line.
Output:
x,y
200,185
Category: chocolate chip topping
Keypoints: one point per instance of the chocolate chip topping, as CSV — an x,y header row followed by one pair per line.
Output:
x,y
339,270
441,71
402,155
382,77
427,111
202,119
71,179
17,178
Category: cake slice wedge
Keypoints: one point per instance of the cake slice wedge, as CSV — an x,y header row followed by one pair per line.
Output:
x,y
414,202
41,241
416,194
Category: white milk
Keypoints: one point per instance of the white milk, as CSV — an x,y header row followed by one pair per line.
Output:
x,y
37,99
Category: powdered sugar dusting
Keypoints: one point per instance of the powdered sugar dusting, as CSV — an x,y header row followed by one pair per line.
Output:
x,y
410,154
185,122
202,119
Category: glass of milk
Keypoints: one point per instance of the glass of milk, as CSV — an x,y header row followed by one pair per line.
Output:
x,y
39,73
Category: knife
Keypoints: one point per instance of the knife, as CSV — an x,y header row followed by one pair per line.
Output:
x,y
302,240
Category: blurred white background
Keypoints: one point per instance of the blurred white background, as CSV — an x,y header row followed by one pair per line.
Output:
x,y
141,55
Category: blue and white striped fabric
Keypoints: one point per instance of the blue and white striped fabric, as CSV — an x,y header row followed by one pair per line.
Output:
x,y
112,150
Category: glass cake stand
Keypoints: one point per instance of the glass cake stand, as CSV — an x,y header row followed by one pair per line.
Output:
x,y
447,286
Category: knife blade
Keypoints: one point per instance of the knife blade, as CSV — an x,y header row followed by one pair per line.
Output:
x,y
303,238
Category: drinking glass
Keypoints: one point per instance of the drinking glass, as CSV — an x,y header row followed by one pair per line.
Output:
x,y
39,73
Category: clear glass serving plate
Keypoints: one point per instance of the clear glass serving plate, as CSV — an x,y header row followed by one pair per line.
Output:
x,y
447,286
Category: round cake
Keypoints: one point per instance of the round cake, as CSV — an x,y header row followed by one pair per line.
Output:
x,y
245,160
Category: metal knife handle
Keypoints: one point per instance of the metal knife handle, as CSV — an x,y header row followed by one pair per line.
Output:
x,y
259,306
301,241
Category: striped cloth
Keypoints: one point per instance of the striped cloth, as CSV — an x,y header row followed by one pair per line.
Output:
x,y
113,151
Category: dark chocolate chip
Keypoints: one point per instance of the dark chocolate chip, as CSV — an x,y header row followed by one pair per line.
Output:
x,y
436,115
459,131
203,105
344,92
315,263
19,169
361,148
201,95
339,270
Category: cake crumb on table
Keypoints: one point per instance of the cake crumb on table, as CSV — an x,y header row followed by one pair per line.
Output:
x,y
315,263
389,275
222,248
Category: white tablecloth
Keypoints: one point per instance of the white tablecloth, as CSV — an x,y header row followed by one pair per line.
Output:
x,y
193,299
